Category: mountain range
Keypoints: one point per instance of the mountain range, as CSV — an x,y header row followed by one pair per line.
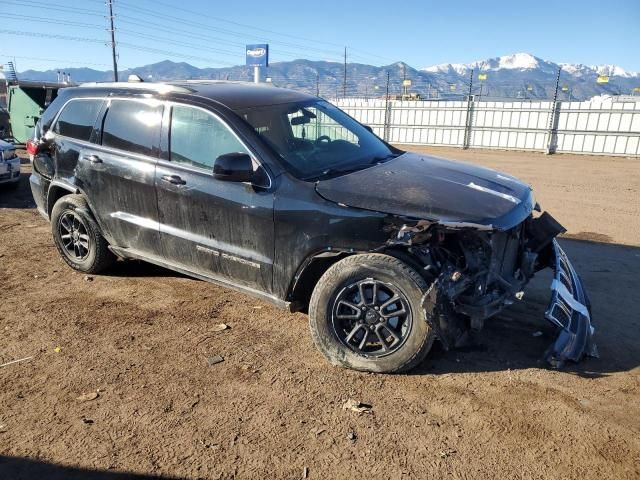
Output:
x,y
520,75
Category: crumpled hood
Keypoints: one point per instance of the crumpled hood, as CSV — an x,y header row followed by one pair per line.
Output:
x,y
431,188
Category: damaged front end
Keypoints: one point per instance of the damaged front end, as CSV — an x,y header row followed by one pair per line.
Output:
x,y
478,270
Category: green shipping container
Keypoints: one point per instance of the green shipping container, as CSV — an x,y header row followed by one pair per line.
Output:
x,y
26,100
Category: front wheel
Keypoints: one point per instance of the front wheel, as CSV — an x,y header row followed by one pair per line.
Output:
x,y
365,313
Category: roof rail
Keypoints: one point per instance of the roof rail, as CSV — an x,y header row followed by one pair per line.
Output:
x,y
209,81
157,87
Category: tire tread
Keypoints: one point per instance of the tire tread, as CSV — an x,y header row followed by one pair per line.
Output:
x,y
104,258
393,264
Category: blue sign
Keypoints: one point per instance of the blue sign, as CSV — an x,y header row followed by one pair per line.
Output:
x,y
258,55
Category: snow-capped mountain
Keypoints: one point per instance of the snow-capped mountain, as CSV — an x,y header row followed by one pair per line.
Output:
x,y
610,70
517,61
526,61
523,74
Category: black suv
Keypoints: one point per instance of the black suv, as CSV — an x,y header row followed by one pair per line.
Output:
x,y
283,196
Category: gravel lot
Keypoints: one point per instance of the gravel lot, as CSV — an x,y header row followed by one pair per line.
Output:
x,y
140,336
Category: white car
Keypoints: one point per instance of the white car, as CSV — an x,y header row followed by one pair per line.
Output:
x,y
9,164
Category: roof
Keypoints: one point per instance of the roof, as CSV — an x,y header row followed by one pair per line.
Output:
x,y
241,95
234,95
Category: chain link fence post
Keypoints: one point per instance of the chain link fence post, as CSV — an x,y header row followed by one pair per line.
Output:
x,y
387,112
469,119
554,115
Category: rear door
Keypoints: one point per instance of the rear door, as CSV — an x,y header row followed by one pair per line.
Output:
x,y
118,174
215,228
73,130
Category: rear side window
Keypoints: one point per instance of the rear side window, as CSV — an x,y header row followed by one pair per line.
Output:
x,y
78,118
132,126
197,137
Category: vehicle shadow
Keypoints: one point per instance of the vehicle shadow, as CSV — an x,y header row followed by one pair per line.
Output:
x,y
18,196
141,269
18,468
518,338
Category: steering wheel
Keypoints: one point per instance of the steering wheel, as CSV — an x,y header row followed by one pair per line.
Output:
x,y
323,139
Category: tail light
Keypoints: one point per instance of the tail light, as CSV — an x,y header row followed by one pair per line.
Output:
x,y
32,147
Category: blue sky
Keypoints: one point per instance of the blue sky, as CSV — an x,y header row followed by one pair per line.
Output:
x,y
422,33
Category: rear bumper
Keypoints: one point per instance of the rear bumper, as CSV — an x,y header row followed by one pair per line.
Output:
x,y
38,190
570,310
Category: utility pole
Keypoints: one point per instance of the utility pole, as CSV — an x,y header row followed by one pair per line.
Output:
x,y
317,84
113,41
344,81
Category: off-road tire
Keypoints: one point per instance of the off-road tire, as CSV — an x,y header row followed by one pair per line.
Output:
x,y
385,268
99,257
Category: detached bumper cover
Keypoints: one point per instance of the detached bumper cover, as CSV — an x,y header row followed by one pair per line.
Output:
x,y
570,310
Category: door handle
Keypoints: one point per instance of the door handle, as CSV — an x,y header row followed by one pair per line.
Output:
x,y
173,179
92,158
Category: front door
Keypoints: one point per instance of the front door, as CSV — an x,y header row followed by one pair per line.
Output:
x,y
219,229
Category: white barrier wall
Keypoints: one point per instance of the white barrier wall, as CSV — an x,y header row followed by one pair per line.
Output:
x,y
594,127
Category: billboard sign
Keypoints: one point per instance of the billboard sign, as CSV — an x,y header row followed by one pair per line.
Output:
x,y
257,55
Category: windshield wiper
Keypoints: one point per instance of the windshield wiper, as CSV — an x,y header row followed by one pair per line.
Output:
x,y
382,158
333,171
329,172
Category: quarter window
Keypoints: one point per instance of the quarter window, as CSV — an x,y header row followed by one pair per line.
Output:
x,y
197,138
78,118
132,126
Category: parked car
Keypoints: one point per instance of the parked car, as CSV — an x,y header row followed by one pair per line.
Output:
x,y
283,196
9,165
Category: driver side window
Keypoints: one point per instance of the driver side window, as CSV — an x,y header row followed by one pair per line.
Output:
x,y
197,137
309,123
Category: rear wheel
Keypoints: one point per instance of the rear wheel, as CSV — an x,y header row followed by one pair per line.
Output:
x,y
77,236
365,313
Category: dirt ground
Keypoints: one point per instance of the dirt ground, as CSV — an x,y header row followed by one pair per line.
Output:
x,y
140,337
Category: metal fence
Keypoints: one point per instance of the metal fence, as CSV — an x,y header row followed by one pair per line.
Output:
x,y
606,127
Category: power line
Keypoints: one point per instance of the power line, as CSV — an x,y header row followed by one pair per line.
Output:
x,y
174,20
252,27
173,54
126,19
51,21
150,26
56,60
51,35
122,44
53,6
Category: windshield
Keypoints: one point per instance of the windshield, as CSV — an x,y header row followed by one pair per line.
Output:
x,y
316,139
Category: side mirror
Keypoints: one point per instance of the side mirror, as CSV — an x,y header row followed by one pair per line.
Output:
x,y
233,167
